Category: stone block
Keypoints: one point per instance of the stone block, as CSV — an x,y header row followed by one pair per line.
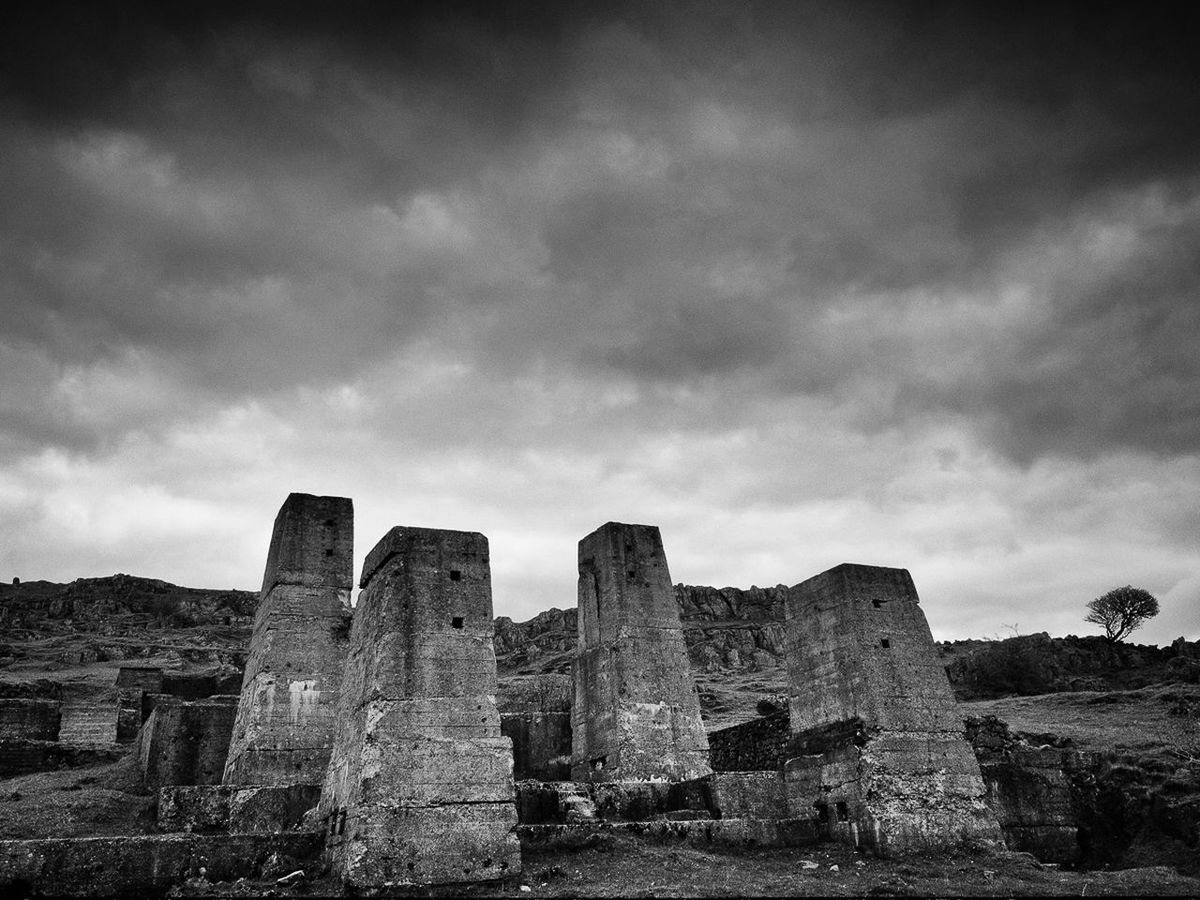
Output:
x,y
185,742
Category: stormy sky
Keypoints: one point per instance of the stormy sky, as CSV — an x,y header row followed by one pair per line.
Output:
x,y
906,284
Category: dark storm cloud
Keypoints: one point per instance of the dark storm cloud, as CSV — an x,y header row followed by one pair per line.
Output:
x,y
257,198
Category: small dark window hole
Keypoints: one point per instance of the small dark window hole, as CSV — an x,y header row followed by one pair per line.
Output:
x,y
842,812
329,523
455,575
822,811
457,621
878,604
329,553
631,574
884,643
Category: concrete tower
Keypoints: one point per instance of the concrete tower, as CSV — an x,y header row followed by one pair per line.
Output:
x,y
284,724
880,756
419,788
636,714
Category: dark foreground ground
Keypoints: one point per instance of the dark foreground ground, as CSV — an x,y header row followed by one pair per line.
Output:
x,y
624,867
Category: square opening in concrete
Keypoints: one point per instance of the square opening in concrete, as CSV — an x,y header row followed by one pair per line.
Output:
x,y
884,643
457,622
455,575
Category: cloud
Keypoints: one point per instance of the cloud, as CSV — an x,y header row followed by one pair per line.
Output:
x,y
800,283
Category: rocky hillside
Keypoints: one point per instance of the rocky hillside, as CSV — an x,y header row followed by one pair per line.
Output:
x,y
726,629
47,626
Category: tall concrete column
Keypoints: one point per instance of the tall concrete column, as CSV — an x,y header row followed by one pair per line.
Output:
x,y
419,789
284,726
880,757
636,714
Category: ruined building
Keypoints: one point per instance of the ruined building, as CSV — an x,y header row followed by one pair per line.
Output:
x,y
380,746
877,745
284,725
636,713
420,787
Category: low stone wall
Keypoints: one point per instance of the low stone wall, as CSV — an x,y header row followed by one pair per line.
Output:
x,y
23,757
738,833
140,865
223,807
24,718
755,746
88,721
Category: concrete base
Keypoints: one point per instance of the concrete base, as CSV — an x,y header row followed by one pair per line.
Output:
x,y
745,833
229,808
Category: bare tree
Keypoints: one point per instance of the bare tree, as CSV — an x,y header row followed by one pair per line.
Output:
x,y
1122,610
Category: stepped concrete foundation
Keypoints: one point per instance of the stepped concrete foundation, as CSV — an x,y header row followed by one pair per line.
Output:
x,y
878,754
636,714
419,789
284,725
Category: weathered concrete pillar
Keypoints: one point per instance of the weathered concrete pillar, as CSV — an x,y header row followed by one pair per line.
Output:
x,y
284,725
420,786
636,714
879,753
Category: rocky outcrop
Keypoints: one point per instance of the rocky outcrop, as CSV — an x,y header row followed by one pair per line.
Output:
x,y
118,603
1039,664
544,644
724,628
730,628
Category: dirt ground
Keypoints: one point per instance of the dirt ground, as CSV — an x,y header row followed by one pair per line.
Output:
x,y
629,867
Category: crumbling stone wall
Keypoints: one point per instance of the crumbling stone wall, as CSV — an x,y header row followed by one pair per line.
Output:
x,y
284,726
878,750
1030,790
636,714
419,788
535,714
761,744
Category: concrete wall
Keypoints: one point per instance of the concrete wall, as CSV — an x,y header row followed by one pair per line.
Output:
x,y
186,742
636,714
419,788
879,756
284,725
535,714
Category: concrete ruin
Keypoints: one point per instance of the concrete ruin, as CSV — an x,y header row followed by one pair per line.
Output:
x,y
636,713
877,744
395,730
420,784
284,726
